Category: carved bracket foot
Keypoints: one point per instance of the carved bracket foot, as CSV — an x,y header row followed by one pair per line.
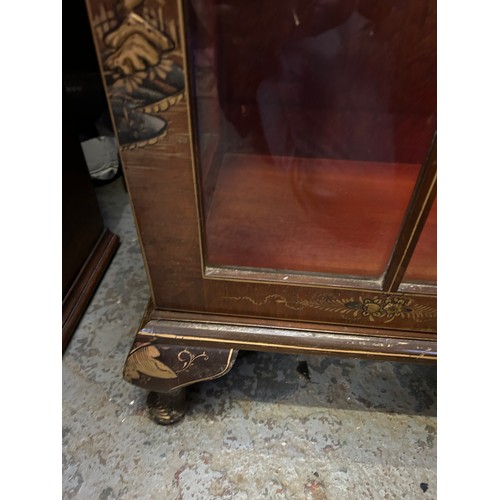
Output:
x,y
168,369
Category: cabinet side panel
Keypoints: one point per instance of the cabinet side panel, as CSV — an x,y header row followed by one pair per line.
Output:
x,y
140,53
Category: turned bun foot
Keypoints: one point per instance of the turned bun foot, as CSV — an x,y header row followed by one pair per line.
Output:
x,y
167,408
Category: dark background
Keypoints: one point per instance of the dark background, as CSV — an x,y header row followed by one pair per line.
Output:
x,y
84,100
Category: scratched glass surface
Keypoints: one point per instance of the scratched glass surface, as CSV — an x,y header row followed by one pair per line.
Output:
x,y
312,120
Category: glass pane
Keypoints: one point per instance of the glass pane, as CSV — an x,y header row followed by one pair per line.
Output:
x,y
423,264
312,120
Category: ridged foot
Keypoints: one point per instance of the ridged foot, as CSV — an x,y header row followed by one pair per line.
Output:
x,y
167,408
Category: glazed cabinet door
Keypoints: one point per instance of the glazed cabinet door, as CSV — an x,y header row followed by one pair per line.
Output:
x,y
311,122
280,156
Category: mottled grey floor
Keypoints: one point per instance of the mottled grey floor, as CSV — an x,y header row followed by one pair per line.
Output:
x,y
277,426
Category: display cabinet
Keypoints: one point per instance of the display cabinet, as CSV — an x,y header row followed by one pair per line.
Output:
x,y
281,163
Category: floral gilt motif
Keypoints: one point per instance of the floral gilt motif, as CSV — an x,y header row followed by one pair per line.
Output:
x,y
374,308
389,308
386,308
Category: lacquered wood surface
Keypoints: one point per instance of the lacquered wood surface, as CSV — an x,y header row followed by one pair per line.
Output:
x,y
325,216
275,339
163,183
321,328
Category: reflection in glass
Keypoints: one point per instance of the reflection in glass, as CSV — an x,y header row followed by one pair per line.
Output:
x,y
312,118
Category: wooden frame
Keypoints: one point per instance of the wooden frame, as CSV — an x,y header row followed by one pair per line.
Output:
x,y
194,304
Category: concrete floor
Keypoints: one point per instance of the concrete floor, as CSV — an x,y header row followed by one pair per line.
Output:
x,y
277,426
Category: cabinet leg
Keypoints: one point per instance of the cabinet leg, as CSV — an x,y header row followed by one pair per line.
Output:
x,y
167,408
167,370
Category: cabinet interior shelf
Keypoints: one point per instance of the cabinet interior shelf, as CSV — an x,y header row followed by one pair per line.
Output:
x,y
312,215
